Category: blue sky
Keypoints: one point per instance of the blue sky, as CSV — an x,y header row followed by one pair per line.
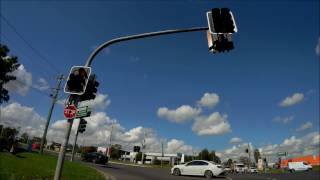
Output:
x,y
274,58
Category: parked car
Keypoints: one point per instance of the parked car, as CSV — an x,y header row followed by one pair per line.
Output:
x,y
198,168
35,146
253,170
299,166
96,158
240,168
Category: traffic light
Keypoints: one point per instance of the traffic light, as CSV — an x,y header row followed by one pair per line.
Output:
x,y
221,27
77,80
82,125
221,21
91,89
219,42
136,148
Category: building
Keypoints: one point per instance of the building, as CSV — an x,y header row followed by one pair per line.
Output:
x,y
313,160
152,157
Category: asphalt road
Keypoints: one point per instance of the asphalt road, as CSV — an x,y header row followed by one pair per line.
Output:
x,y
124,172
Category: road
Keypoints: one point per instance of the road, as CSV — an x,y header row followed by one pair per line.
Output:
x,y
124,172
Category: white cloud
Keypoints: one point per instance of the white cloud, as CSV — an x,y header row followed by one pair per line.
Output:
x,y
179,115
283,120
175,146
215,124
235,140
305,126
294,99
209,100
23,117
22,83
317,48
100,102
42,84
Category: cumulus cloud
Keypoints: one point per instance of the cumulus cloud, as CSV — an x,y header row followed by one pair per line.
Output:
x,y
317,48
42,84
22,117
292,100
215,124
179,115
283,120
305,126
98,130
175,146
209,100
235,140
100,102
22,83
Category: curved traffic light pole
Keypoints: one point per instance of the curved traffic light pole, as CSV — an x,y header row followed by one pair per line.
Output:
x,y
75,100
139,36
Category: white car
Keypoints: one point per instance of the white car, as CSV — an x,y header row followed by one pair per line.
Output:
x,y
299,166
253,170
198,168
240,168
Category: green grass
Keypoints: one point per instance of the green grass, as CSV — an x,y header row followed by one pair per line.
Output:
x,y
34,166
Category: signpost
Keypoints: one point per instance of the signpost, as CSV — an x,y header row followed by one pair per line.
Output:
x,y
282,153
70,111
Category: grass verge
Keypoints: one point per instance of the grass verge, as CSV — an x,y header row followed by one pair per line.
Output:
x,y
34,166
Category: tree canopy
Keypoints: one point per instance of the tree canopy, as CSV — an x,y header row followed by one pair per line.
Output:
x,y
8,64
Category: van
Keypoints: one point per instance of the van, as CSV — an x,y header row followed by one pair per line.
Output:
x,y
299,166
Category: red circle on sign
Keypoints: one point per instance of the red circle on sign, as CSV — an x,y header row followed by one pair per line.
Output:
x,y
70,111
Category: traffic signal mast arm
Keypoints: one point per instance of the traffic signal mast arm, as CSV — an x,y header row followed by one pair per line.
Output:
x,y
139,36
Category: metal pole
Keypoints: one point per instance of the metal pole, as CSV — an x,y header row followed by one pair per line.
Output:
x,y
249,156
110,140
75,142
139,36
161,151
143,146
62,153
54,99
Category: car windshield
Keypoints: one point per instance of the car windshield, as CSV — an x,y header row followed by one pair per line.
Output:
x,y
305,163
240,165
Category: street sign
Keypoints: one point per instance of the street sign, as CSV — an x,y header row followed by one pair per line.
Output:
x,y
70,111
282,153
82,112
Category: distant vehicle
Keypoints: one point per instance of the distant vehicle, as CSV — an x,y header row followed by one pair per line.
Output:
x,y
227,169
253,170
198,168
35,146
299,166
240,168
96,158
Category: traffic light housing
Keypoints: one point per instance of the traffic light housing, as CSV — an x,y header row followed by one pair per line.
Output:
x,y
221,27
221,21
82,125
77,80
136,148
91,89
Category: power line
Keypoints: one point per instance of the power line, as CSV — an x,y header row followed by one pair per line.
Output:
x,y
28,44
14,45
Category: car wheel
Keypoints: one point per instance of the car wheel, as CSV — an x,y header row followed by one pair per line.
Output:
x,y
176,172
208,174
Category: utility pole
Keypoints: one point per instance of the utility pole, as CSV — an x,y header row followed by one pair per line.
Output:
x,y
75,142
162,155
249,152
110,140
143,144
54,100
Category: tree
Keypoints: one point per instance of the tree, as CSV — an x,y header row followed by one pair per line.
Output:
x,y
204,155
139,156
115,151
8,64
257,155
24,138
228,163
213,157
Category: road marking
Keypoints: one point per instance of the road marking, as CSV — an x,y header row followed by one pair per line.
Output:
x,y
229,178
